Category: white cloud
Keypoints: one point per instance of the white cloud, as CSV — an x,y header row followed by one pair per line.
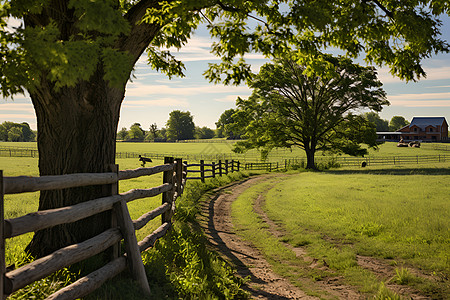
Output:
x,y
421,100
231,98
433,73
16,107
17,116
137,89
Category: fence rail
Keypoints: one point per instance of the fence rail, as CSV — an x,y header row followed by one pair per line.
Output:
x,y
215,169
174,180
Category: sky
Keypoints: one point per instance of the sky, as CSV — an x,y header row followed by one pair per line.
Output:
x,y
151,96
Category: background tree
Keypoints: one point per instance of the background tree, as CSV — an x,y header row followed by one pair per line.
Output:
x,y
75,57
374,118
204,133
289,108
15,132
136,133
152,132
180,126
122,135
397,122
223,128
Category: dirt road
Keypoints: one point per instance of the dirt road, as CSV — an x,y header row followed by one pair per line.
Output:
x,y
250,263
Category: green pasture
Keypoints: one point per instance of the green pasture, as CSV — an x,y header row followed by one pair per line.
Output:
x,y
398,215
220,147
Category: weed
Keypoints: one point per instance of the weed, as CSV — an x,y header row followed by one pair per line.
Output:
x,y
403,276
385,294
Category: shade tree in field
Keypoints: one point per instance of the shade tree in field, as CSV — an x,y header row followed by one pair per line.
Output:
x,y
180,126
74,59
314,111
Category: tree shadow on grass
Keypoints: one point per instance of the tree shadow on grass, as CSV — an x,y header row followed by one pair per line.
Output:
x,y
393,171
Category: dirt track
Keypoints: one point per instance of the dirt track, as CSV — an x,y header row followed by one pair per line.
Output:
x,y
249,262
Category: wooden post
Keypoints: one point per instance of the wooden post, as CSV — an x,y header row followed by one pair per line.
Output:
x,y
114,191
232,165
179,175
202,170
238,165
226,166
167,196
2,241
213,169
131,246
220,168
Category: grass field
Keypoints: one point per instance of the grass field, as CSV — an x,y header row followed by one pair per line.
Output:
x,y
225,148
399,215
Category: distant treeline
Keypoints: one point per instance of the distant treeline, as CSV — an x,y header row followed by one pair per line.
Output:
x,y
16,132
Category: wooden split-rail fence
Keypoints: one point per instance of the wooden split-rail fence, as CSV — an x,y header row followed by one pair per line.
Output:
x,y
213,169
174,180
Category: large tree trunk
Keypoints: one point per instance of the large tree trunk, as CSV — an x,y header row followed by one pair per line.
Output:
x,y
310,163
76,134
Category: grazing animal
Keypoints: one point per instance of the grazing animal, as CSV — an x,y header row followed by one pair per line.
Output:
x,y
144,160
364,164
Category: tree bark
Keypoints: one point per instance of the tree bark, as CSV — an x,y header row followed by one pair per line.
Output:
x,y
77,130
310,162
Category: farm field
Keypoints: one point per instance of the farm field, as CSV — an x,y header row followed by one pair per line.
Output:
x,y
398,218
225,147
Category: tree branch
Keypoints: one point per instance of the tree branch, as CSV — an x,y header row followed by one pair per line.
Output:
x,y
383,8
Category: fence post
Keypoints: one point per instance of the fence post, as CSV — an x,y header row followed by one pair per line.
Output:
x,y
114,190
213,169
167,196
202,170
220,168
238,165
179,175
2,241
232,165
131,246
226,166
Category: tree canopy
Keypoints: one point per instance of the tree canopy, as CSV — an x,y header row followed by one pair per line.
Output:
x,y
180,126
15,132
397,122
290,108
374,118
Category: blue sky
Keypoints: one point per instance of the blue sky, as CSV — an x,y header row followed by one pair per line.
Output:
x,y
150,96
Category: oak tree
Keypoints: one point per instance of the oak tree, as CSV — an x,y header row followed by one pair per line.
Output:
x,y
74,59
289,108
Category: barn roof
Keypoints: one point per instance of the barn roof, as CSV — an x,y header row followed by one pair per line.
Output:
x,y
423,122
